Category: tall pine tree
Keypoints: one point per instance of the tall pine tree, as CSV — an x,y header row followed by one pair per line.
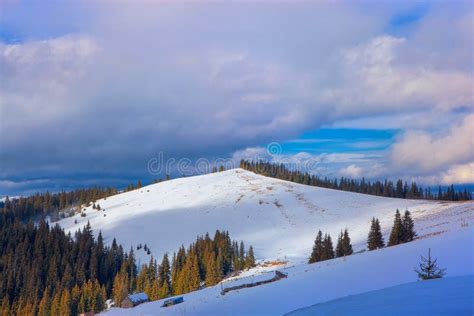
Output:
x,y
316,254
375,238
397,233
408,227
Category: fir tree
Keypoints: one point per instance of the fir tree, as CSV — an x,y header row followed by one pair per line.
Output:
x,y
375,238
408,227
344,246
347,244
65,303
242,255
397,233
213,274
328,250
120,289
429,269
250,259
317,252
164,274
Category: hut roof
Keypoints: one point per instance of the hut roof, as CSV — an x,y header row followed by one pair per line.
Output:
x,y
138,297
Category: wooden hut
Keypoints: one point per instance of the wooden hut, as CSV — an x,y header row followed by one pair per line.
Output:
x,y
134,300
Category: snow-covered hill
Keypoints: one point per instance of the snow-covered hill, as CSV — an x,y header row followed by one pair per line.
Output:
x,y
279,218
309,284
451,296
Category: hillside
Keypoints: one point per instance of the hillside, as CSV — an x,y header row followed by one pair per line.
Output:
x,y
279,218
452,295
309,284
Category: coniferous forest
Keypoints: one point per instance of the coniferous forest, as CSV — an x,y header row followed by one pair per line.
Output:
x,y
42,204
44,271
387,188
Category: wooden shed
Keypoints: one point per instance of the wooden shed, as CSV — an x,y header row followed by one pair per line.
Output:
x,y
134,300
173,301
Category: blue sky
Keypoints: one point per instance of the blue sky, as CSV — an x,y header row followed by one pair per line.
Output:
x,y
339,140
92,91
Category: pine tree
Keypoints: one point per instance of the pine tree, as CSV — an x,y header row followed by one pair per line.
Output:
x,y
328,252
375,239
346,244
316,255
250,259
120,288
5,307
396,236
408,227
429,269
44,308
164,274
213,275
64,305
344,247
189,278
55,305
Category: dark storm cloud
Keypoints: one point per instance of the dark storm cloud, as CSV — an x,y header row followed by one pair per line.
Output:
x,y
92,91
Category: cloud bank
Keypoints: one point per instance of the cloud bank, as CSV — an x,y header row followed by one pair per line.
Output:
x,y
92,91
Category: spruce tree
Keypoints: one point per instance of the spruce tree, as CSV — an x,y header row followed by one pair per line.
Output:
x,y
344,246
64,305
164,274
346,243
408,227
190,275
328,250
429,269
375,239
397,233
250,259
213,274
242,255
120,288
317,248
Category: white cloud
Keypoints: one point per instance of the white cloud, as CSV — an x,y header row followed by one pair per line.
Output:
x,y
373,76
206,80
459,174
352,171
431,153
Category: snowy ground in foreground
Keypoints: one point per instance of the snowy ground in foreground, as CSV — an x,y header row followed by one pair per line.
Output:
x,y
309,284
448,296
279,218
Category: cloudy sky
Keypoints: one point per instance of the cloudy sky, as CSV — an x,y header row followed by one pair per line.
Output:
x,y
91,93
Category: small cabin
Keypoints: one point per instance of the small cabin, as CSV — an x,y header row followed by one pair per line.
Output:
x,y
134,300
173,301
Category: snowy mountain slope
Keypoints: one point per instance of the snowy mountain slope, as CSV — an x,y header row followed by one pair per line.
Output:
x,y
309,284
279,218
448,296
